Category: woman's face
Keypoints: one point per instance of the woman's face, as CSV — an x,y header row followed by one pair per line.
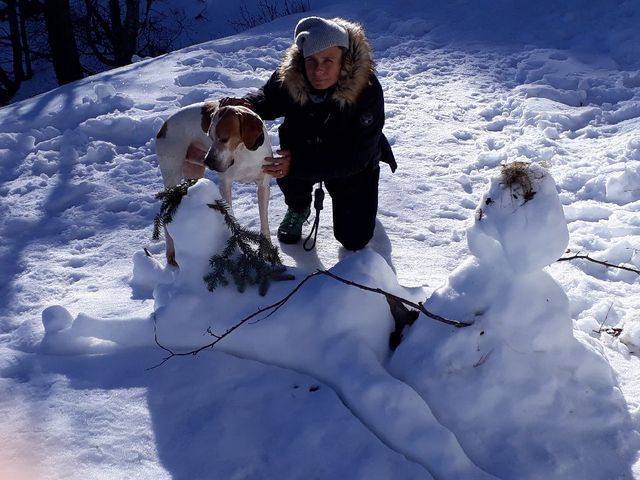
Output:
x,y
323,68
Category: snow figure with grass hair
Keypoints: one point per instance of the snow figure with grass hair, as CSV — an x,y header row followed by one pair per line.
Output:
x,y
484,382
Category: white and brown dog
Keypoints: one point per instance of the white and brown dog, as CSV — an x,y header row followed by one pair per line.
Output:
x,y
231,140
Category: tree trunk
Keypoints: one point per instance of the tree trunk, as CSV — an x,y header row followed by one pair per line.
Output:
x,y
8,87
112,39
132,27
64,50
125,34
16,40
26,52
117,36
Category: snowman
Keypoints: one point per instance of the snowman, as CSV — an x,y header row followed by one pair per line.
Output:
x,y
525,398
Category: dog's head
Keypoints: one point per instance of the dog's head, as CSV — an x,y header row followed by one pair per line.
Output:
x,y
232,129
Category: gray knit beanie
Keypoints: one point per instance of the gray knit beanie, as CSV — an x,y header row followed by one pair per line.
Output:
x,y
313,34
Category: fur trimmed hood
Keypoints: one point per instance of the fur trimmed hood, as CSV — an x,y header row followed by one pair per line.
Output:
x,y
354,76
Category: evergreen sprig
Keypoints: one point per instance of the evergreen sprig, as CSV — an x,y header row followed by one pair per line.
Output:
x,y
170,198
248,258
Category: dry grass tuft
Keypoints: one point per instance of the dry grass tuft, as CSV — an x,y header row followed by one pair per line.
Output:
x,y
518,174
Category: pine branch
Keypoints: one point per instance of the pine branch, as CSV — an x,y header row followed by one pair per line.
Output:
x,y
599,262
274,307
170,198
248,258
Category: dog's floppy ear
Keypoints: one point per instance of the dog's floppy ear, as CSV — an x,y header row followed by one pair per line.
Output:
x,y
251,130
206,112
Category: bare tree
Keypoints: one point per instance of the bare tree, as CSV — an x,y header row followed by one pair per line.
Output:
x,y
15,64
16,39
111,33
25,11
80,37
267,11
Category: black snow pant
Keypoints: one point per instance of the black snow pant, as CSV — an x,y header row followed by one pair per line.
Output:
x,y
354,200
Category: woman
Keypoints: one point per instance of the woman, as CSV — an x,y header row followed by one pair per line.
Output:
x,y
333,109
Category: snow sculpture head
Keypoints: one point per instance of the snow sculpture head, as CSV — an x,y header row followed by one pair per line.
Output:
x,y
520,220
518,230
198,232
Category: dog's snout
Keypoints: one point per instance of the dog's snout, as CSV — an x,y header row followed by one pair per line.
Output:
x,y
215,163
210,161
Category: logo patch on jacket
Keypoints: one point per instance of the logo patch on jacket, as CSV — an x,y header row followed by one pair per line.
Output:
x,y
366,119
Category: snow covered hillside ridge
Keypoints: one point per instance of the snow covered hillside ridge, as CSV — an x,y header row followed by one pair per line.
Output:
x,y
468,87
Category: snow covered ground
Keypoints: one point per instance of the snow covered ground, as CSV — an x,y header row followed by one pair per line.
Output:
x,y
545,382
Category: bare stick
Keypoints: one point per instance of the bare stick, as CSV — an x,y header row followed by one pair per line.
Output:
x,y
604,320
578,256
417,306
274,307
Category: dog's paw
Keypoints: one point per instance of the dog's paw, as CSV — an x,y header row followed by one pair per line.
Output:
x,y
171,259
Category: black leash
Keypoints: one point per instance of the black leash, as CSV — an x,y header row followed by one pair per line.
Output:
x,y
318,198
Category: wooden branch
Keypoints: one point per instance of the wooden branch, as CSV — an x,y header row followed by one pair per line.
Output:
x,y
416,306
578,256
274,307
605,319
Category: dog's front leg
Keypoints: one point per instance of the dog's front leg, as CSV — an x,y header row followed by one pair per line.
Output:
x,y
226,192
263,207
170,248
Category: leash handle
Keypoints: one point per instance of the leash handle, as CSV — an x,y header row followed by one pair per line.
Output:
x,y
318,197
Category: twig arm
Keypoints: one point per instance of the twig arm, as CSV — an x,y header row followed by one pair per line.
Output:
x,y
274,307
578,256
416,306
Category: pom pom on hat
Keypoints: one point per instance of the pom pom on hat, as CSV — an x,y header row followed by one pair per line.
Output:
x,y
313,34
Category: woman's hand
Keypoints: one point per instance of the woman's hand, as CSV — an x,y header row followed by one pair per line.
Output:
x,y
234,102
279,165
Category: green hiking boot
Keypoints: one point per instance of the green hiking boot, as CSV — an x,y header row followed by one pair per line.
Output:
x,y
290,229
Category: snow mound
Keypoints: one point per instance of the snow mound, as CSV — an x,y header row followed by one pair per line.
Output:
x,y
333,333
147,274
56,318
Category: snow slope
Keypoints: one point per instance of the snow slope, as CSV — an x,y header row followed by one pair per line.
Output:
x,y
545,382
